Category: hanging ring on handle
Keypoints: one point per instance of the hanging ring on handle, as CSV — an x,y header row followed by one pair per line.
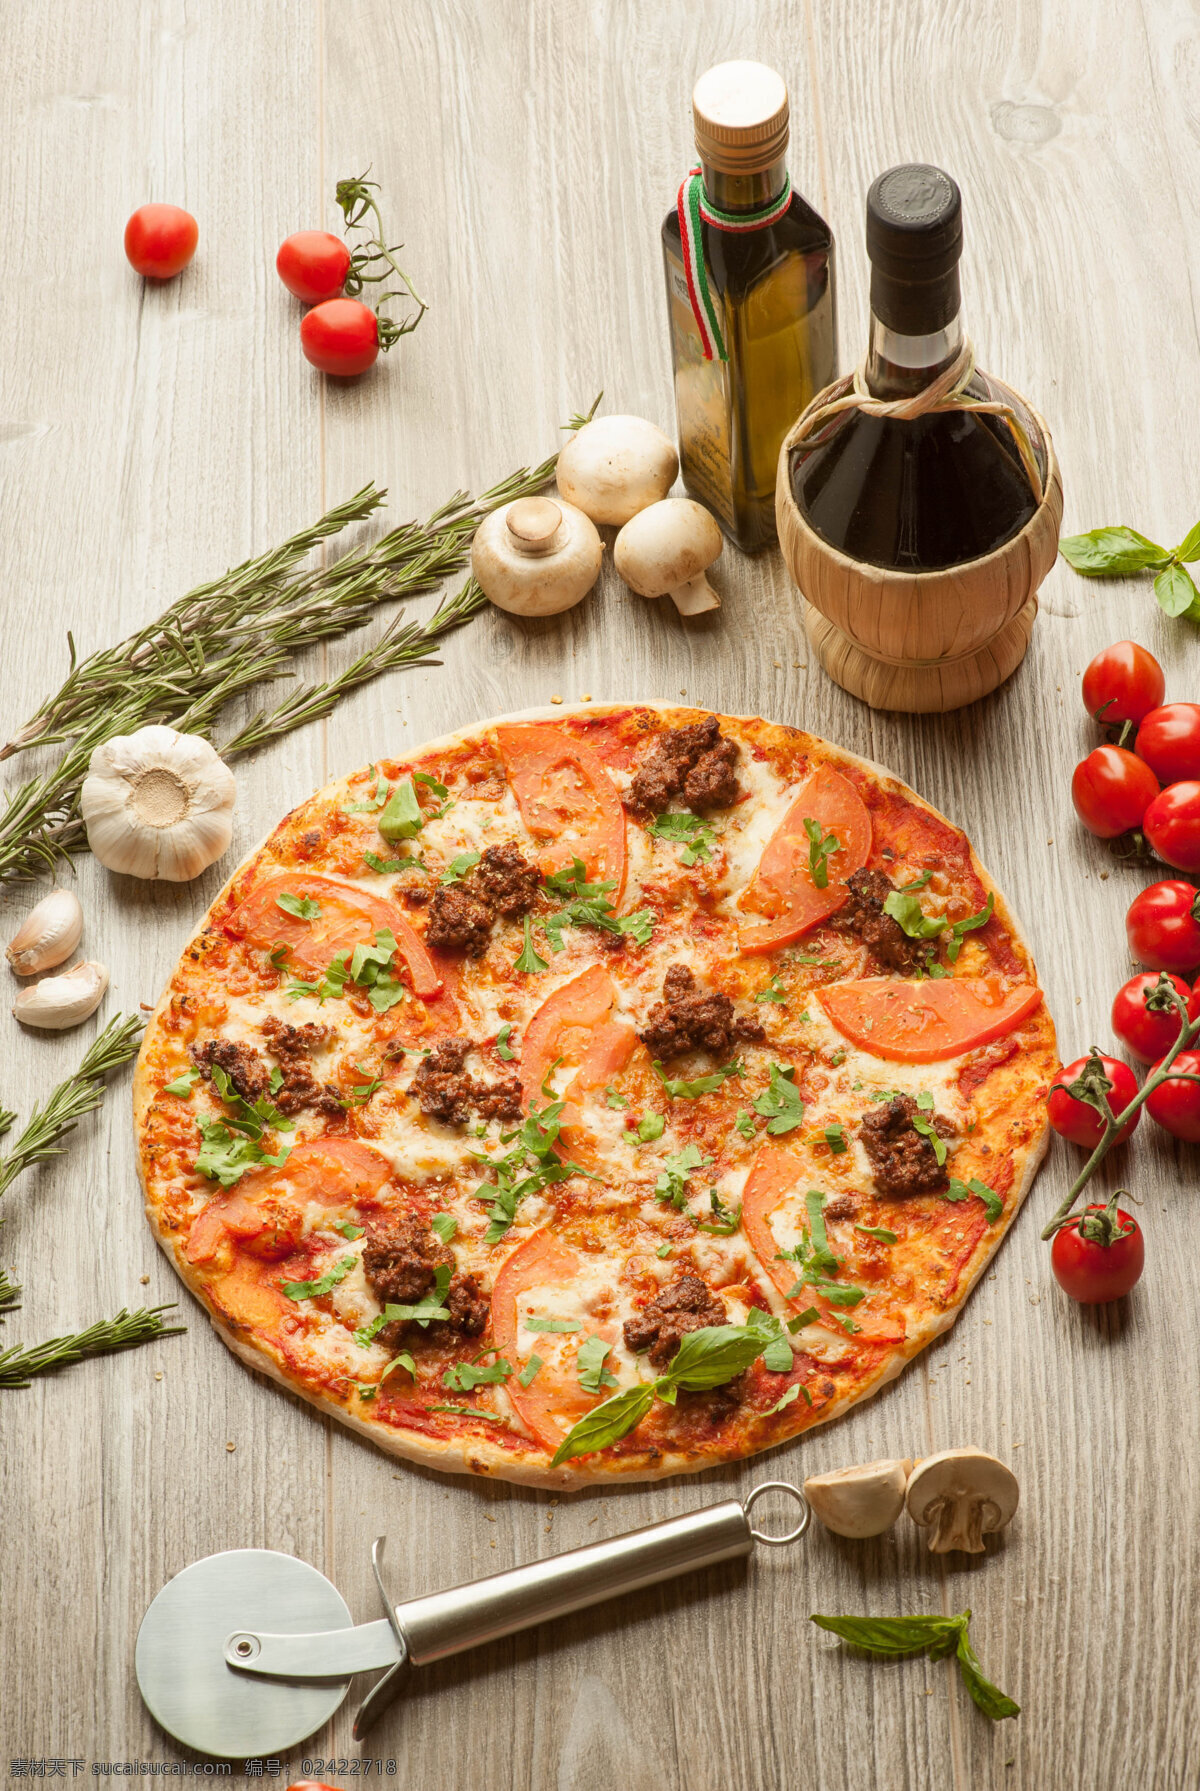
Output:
x,y
783,1486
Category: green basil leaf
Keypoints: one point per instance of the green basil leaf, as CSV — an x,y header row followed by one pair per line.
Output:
x,y
894,1636
183,1083
929,1131
907,912
310,1290
676,1171
464,1377
607,1422
835,1138
777,1355
302,907
347,1229
712,1356
445,1224
793,1393
1189,547
821,848
961,927
693,832
774,991
458,867
388,866
469,1411
990,1699
879,1232
691,1091
650,1127
529,963
552,1324
959,1190
503,1048
1175,591
780,1103
529,1372
614,1100
402,818
745,1124
589,1364
809,1316
1111,552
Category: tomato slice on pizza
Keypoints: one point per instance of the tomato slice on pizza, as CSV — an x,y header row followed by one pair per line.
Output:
x,y
775,1214
576,1027
537,1286
928,1021
344,917
798,882
566,797
265,1213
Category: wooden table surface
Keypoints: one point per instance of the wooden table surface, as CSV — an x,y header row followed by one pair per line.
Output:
x,y
152,435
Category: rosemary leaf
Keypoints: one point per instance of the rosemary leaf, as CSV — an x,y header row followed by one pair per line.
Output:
x,y
10,1295
222,639
126,1331
80,1094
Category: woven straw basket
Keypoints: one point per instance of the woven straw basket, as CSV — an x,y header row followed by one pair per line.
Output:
x,y
920,641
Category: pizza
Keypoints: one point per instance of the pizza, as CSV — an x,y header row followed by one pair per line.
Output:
x,y
596,1093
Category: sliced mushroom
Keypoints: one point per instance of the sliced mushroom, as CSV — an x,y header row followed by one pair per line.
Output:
x,y
862,1501
959,1496
536,556
616,466
666,550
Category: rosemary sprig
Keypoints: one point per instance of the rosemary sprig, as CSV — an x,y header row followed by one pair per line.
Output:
x,y
80,1094
10,1294
126,1331
223,638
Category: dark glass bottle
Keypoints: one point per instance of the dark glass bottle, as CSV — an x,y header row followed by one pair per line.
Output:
x,y
939,489
773,287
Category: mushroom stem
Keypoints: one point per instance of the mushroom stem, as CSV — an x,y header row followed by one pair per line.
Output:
x,y
694,597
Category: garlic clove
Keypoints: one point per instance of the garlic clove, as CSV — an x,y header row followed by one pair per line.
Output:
x,y
60,1001
158,804
48,935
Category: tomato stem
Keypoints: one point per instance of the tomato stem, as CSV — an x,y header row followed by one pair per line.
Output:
x,y
1114,1123
354,197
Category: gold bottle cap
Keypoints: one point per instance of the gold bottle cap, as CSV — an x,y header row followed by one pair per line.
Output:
x,y
740,115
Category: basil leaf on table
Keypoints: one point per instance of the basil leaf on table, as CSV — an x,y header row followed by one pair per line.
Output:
x,y
896,1637
1175,590
1111,552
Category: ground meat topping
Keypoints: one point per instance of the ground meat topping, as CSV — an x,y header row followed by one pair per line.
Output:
x,y
689,1019
883,937
400,1260
903,1160
291,1046
505,881
445,1091
246,1070
698,763
458,921
687,1305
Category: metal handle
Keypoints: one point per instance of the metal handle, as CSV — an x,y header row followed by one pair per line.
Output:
x,y
446,1623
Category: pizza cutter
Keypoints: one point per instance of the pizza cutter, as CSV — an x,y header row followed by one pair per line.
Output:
x,y
246,1653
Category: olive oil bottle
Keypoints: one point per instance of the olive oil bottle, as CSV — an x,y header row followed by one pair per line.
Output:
x,y
750,292
940,488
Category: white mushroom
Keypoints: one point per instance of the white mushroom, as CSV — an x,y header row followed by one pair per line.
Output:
x,y
60,1001
959,1495
616,466
158,804
536,556
48,935
862,1501
666,550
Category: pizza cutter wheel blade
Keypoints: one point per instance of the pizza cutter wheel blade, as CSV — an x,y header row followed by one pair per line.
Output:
x,y
245,1654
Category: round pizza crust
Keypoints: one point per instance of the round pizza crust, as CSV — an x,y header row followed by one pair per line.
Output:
x,y
477,1455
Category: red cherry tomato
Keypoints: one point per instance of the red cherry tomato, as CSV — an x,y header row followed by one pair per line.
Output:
x,y
1111,790
342,336
1148,1032
1123,683
1169,741
160,240
1092,1272
1171,824
313,265
1163,926
1074,1119
1175,1105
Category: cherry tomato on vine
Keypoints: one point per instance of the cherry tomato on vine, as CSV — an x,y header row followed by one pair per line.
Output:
x,y
1171,824
1091,1271
1163,926
1123,683
1074,1119
342,336
1111,790
1149,1032
313,265
160,240
1169,741
1175,1104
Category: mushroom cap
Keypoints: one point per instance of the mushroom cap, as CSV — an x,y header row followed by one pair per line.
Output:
x,y
666,545
861,1501
960,1494
614,467
536,556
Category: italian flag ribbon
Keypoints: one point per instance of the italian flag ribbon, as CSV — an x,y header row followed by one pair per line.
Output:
x,y
695,208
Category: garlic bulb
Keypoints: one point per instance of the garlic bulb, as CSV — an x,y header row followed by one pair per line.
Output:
x,y
59,1001
158,804
49,935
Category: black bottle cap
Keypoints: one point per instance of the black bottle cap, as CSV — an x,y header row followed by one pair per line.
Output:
x,y
914,240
